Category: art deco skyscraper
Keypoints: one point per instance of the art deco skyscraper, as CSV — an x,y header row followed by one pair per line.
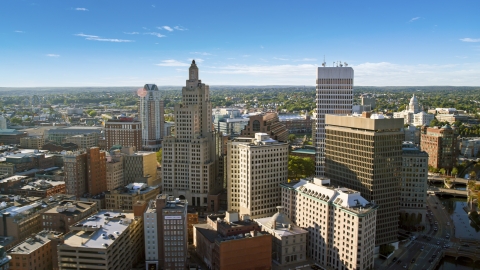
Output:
x,y
152,117
334,96
188,166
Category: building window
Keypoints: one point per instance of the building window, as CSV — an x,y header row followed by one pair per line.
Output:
x,y
256,125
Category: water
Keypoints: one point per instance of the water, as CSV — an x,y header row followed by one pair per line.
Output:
x,y
464,228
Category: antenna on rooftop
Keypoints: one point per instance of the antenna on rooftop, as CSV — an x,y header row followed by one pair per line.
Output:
x,y
324,63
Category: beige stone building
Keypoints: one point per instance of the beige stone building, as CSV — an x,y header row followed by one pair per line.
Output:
x,y
364,153
256,167
75,168
84,141
107,240
32,142
289,241
125,197
339,221
188,162
140,166
115,172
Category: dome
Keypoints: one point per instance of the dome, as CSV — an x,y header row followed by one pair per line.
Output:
x,y
414,99
279,220
447,126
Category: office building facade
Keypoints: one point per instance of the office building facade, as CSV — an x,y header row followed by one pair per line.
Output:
x,y
334,95
364,153
188,162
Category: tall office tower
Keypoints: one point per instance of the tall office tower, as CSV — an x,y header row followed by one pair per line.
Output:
x,y
124,131
339,221
166,233
75,167
140,166
96,171
413,194
255,169
188,167
334,96
151,116
364,153
441,146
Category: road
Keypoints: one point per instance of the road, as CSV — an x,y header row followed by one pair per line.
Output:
x,y
432,241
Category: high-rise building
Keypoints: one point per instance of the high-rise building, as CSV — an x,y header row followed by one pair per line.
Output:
x,y
75,168
364,153
413,193
124,131
151,116
188,162
334,96
441,146
166,233
140,166
96,171
255,169
339,221
115,172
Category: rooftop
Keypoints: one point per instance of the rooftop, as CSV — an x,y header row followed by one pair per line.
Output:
x,y
13,178
71,208
41,184
32,244
304,151
100,230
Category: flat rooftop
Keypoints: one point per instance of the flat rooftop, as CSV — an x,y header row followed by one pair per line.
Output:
x,y
31,244
99,230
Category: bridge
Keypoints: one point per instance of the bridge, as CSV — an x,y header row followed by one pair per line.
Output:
x,y
447,191
442,180
472,253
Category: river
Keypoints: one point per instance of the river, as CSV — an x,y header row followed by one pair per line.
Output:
x,y
464,228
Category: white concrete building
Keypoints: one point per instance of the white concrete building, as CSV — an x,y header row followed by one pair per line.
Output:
x,y
289,240
255,169
340,223
150,225
188,164
152,117
334,96
414,114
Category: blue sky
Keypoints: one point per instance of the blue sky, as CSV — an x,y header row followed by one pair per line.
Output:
x,y
130,43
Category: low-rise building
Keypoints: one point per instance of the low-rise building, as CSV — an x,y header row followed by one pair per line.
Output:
x,y
289,240
67,213
32,142
42,188
4,259
125,197
84,141
107,240
231,243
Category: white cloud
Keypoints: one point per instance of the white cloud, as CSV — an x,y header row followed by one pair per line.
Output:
x,y
414,19
53,55
180,28
155,34
172,63
168,28
131,33
18,31
281,59
201,53
97,38
307,59
261,70
81,9
470,39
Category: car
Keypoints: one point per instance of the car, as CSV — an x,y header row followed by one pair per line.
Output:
x,y
430,261
405,266
438,242
422,248
413,260
399,261
447,236
394,259
436,222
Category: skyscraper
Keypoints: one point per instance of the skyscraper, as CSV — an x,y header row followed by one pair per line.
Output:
x,y
255,169
364,153
151,116
96,171
188,167
334,96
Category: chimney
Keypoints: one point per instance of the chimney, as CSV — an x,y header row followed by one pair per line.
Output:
x,y
366,114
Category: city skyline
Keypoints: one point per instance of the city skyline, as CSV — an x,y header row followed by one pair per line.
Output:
x,y
89,43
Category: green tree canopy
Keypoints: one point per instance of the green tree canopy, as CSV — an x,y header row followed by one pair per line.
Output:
x,y
159,156
300,167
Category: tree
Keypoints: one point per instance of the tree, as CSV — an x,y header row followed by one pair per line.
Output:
x,y
159,156
292,138
442,171
300,167
92,113
454,171
473,175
